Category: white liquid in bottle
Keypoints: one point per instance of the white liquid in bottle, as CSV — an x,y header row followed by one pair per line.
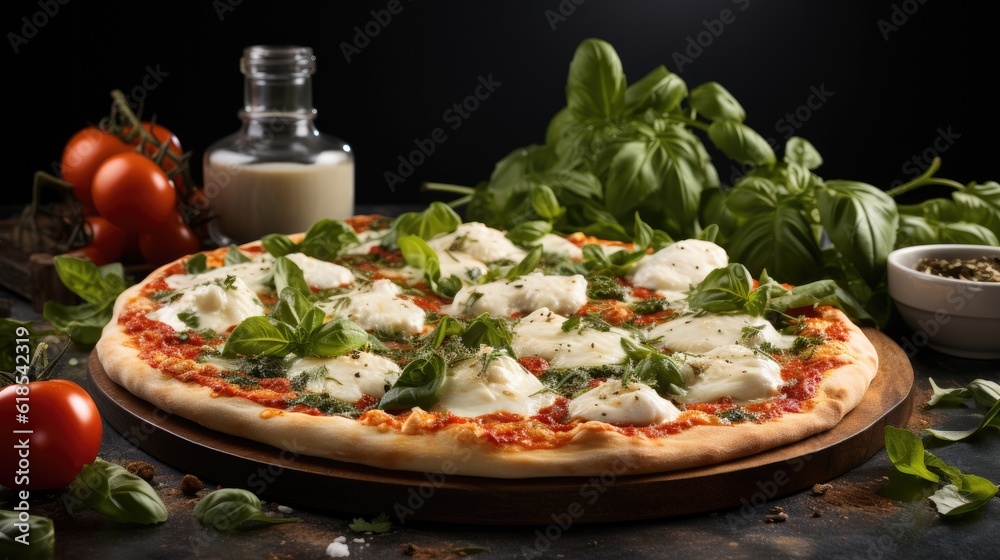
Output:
x,y
278,197
278,173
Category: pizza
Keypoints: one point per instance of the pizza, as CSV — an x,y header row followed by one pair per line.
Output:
x,y
412,342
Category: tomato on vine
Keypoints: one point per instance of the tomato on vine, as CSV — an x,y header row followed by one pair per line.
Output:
x,y
65,433
162,135
132,192
168,241
83,154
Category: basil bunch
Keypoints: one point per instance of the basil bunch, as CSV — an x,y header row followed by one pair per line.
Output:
x,y
618,148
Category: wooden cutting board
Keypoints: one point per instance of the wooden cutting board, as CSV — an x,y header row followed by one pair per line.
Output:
x,y
360,490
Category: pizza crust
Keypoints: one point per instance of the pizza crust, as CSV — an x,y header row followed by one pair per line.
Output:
x,y
457,449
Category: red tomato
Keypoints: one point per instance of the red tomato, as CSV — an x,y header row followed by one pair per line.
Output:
x,y
83,154
132,192
162,134
89,252
108,238
66,433
168,241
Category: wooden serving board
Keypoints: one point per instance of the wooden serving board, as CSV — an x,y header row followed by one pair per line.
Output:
x,y
360,490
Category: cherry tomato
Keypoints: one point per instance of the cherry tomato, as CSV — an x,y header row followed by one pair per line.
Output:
x,y
89,252
65,433
168,241
83,154
162,134
108,238
132,192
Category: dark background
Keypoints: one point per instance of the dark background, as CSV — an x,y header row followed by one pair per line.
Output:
x,y
904,79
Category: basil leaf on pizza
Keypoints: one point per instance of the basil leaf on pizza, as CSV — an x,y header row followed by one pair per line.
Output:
x,y
395,343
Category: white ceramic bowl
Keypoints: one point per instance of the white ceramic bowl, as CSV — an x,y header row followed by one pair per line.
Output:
x,y
957,317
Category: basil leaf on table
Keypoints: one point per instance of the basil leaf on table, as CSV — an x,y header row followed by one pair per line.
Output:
x,y
960,493
111,490
229,509
985,392
38,542
990,420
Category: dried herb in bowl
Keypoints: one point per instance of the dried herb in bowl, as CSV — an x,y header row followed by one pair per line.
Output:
x,y
982,269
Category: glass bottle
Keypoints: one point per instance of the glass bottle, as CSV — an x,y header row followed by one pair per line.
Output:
x,y
278,173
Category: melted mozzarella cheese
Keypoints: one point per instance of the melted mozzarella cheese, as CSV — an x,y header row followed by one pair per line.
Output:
x,y
346,378
732,371
697,334
378,306
637,404
255,274
502,298
540,334
210,305
480,242
457,263
321,274
367,240
559,245
470,389
674,269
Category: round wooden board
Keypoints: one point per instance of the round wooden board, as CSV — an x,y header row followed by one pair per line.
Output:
x,y
360,490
